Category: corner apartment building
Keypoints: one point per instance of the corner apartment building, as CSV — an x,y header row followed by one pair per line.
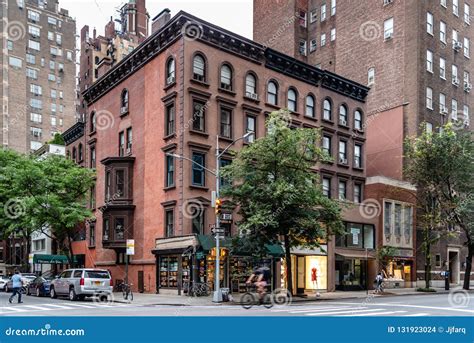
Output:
x,y
416,58
38,73
173,94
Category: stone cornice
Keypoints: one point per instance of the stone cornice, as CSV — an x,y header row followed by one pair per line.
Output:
x,y
73,133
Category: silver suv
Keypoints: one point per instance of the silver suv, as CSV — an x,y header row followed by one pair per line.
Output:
x,y
79,283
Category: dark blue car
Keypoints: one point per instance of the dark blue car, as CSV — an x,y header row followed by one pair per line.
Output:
x,y
39,286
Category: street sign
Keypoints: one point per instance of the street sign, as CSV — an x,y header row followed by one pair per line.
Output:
x,y
199,255
130,246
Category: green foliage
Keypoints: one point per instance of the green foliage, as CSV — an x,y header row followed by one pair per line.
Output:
x,y
426,290
57,139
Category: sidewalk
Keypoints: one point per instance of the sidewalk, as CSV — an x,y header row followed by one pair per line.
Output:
x,y
177,300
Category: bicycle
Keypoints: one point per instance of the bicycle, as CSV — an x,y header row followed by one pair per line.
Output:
x,y
199,289
251,298
127,291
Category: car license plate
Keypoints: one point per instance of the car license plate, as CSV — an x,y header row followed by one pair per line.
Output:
x,y
97,283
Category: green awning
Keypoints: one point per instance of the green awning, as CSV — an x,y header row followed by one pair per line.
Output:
x,y
208,242
51,259
275,250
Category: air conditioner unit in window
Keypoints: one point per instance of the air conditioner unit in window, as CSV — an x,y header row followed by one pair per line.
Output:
x,y
170,80
443,110
387,2
123,109
457,45
198,77
455,81
253,96
343,122
226,86
388,35
467,87
342,160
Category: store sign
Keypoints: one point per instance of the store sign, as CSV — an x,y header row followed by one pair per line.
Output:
x,y
355,235
199,255
306,251
130,247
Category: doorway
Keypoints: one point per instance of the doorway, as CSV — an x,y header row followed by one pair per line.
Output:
x,y
453,263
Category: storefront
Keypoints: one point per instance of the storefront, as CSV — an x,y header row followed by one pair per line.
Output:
x,y
353,269
398,273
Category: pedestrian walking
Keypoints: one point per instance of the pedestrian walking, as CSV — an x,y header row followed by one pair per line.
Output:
x,y
378,283
17,284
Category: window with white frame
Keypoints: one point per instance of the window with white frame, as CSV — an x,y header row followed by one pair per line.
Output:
x,y
388,29
302,16
303,47
454,109
312,46
455,36
429,127
50,35
36,89
34,45
467,77
429,23
34,16
35,117
30,58
442,103
467,47
442,68
342,190
15,62
467,14
323,12
323,39
52,21
466,115
454,72
333,7
34,30
444,3
429,98
456,7
333,34
371,76
442,31
313,16
398,220
31,73
59,38
429,61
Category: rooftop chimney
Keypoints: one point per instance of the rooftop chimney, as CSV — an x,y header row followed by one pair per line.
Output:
x,y
160,20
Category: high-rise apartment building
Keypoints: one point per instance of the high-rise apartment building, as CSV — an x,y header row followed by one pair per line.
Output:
x,y
416,58
38,73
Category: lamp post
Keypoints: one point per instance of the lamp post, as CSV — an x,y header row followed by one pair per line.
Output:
x,y
217,296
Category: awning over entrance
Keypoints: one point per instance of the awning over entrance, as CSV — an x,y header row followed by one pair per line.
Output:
x,y
52,259
208,242
359,254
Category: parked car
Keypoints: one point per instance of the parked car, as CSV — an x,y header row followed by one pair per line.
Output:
x,y
3,282
26,278
80,283
39,286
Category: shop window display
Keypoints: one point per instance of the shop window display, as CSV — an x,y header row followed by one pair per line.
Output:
x,y
169,271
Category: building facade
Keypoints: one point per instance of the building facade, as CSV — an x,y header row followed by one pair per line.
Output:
x,y
414,56
38,73
173,94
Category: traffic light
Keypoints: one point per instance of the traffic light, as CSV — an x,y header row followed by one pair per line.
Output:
x,y
218,206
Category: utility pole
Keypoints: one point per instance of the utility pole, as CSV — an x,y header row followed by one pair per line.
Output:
x,y
217,297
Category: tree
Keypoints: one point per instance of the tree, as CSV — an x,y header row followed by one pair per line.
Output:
x,y
57,139
279,195
443,164
52,193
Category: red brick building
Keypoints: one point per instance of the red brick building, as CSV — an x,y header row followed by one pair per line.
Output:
x,y
188,82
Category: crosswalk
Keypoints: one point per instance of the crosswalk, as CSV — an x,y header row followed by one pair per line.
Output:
x,y
26,308
347,311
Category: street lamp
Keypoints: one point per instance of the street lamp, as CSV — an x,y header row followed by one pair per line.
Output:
x,y
217,296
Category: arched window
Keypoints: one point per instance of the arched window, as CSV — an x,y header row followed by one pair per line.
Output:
x,y
251,86
124,102
358,120
310,106
74,154
226,77
170,71
343,115
80,153
68,154
327,109
199,68
93,121
291,100
272,93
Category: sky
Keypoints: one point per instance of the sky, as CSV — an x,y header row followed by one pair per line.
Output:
x,y
96,13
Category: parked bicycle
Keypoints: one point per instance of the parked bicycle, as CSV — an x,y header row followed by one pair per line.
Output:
x,y
127,291
199,289
252,298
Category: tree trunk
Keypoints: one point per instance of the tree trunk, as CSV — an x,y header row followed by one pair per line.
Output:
x,y
289,283
70,255
427,251
467,272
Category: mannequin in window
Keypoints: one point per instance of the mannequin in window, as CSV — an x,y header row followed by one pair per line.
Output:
x,y
314,279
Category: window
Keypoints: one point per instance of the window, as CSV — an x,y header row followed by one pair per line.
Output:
x,y
442,103
124,101
169,182
51,77
303,48
30,58
442,68
226,123
36,132
170,119
343,115
92,157
429,127
226,77
251,86
438,260
455,38
429,98
429,23
108,181
313,45
129,140
53,108
92,234
313,16
442,31
467,14
93,122
342,190
398,220
443,3
467,77
120,182
50,35
467,47
454,109
310,106
387,213
323,39
59,38
327,110
343,152
456,7
371,76
327,187
52,21
333,7
121,143
302,16
199,115
357,193
225,182
33,16
35,103
34,31
357,236
327,145
466,115
36,117
388,29
15,62
53,93
199,68
292,100
197,213
323,12
357,156
10,45
119,229
80,152
106,230
429,61
272,93
198,173
52,65
69,55
169,222
55,51
454,73
358,120
333,34
250,126
53,121
36,90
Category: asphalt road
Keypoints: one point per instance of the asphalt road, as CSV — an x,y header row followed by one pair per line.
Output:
x,y
416,305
